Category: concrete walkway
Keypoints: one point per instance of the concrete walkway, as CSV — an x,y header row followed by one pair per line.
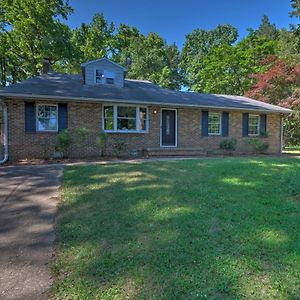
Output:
x,y
28,198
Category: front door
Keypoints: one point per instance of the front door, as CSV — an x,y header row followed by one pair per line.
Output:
x,y
168,128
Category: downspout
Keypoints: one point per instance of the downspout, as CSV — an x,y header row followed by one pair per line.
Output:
x,y
281,134
5,120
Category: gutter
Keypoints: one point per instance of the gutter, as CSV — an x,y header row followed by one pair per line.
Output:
x,y
5,120
119,101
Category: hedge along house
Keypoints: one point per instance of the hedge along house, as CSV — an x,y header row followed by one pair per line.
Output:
x,y
146,116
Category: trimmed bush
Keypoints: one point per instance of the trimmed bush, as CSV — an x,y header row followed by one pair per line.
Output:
x,y
63,142
119,147
228,144
101,142
259,146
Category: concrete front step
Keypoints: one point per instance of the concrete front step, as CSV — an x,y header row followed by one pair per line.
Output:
x,y
175,152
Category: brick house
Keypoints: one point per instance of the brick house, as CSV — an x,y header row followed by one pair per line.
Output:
x,y
146,116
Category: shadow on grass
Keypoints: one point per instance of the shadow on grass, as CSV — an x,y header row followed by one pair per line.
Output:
x,y
181,229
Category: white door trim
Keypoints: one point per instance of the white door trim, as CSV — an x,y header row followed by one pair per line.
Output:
x,y
166,146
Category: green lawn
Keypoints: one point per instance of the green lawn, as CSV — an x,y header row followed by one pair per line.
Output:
x,y
294,150
190,229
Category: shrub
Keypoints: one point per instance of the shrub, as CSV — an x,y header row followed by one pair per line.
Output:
x,y
259,146
82,133
63,142
119,147
101,142
228,144
80,137
292,148
263,134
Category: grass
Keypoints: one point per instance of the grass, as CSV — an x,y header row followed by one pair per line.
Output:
x,y
192,229
294,150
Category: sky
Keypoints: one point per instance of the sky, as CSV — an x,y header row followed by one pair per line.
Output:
x,y
173,19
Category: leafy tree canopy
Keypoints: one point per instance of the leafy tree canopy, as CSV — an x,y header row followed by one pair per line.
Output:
x,y
199,44
31,30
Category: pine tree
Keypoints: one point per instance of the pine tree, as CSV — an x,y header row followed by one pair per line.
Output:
x,y
267,30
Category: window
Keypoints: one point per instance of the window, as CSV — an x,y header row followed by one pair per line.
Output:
x,y
102,77
109,118
168,125
214,123
99,76
253,125
47,117
126,118
120,118
143,119
110,77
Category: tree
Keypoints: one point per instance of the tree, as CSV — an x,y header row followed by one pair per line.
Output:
x,y
225,71
296,13
279,85
199,44
32,30
267,30
147,55
151,58
170,77
296,8
287,46
91,41
277,82
227,68
291,123
122,42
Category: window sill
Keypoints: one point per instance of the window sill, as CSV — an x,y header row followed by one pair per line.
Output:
x,y
105,84
49,131
126,132
214,134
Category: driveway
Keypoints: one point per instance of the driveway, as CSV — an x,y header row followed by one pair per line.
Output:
x,y
28,198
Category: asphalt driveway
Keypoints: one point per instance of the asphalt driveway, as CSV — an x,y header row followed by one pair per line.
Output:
x,y
28,198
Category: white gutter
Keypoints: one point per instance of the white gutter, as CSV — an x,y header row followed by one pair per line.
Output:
x,y
5,120
281,134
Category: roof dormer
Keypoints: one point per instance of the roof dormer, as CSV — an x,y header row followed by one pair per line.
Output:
x,y
103,71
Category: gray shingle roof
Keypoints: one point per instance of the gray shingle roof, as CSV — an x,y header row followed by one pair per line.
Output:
x,y
70,87
103,59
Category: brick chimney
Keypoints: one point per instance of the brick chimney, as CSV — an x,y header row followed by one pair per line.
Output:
x,y
47,67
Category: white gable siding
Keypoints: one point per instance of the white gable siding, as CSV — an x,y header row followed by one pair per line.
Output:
x,y
107,66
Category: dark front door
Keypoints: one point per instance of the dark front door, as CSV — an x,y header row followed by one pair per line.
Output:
x,y
168,127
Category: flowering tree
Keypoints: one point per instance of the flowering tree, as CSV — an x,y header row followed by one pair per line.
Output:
x,y
279,84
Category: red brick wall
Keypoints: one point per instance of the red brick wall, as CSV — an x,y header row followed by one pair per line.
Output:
x,y
40,145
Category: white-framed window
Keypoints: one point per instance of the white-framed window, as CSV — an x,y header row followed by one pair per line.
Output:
x,y
108,117
47,117
253,125
214,123
104,77
125,118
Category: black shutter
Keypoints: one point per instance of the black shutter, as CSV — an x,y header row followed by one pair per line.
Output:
x,y
225,123
30,120
204,123
62,117
245,124
263,124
